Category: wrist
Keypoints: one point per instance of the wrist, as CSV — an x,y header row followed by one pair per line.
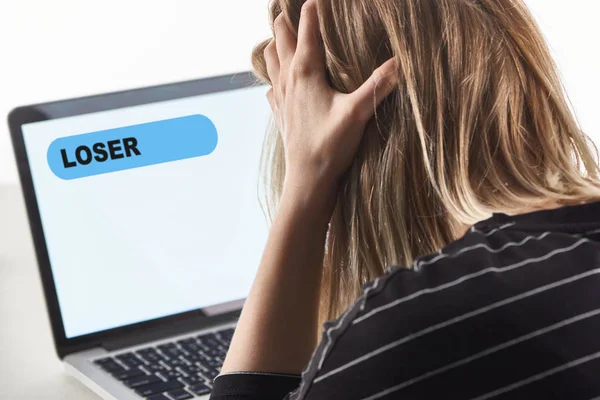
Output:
x,y
311,199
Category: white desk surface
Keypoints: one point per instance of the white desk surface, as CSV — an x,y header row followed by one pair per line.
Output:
x,y
29,366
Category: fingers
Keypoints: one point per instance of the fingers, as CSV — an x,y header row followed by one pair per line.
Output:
x,y
309,53
284,41
287,59
381,83
272,62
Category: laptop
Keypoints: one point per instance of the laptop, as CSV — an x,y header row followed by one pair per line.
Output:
x,y
145,216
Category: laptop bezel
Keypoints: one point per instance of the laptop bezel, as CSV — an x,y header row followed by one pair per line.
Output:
x,y
20,116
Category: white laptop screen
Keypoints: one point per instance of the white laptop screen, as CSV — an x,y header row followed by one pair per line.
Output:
x,y
152,210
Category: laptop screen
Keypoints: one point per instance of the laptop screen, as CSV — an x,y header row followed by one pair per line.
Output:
x,y
151,210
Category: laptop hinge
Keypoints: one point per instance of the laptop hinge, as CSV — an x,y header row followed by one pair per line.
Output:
x,y
170,329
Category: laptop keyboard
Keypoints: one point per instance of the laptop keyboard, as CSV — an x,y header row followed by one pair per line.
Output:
x,y
175,370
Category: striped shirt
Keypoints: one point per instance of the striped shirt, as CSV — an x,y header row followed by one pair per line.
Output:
x,y
509,311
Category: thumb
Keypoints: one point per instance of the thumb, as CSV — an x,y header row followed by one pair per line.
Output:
x,y
381,83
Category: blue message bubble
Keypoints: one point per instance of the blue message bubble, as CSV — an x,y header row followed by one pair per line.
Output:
x,y
133,146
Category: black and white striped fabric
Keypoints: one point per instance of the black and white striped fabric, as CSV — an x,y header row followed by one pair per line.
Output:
x,y
509,311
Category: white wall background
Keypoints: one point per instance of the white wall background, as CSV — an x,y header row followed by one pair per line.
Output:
x,y
65,48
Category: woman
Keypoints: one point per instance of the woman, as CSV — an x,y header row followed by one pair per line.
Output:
x,y
400,125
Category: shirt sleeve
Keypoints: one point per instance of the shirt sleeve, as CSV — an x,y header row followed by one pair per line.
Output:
x,y
253,386
269,386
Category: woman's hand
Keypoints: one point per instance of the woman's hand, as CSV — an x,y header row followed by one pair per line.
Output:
x,y
321,132
321,127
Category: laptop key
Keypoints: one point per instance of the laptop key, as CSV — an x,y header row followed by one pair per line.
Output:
x,y
168,348
153,358
200,389
173,353
150,355
130,373
175,362
112,367
141,380
192,380
172,374
226,334
190,369
223,342
158,397
130,360
210,374
210,342
155,367
215,352
131,363
192,347
215,363
158,387
192,358
180,394
146,349
204,337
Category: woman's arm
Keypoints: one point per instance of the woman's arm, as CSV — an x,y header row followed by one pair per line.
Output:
x,y
277,328
321,131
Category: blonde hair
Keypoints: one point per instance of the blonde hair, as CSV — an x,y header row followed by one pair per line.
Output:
x,y
479,123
